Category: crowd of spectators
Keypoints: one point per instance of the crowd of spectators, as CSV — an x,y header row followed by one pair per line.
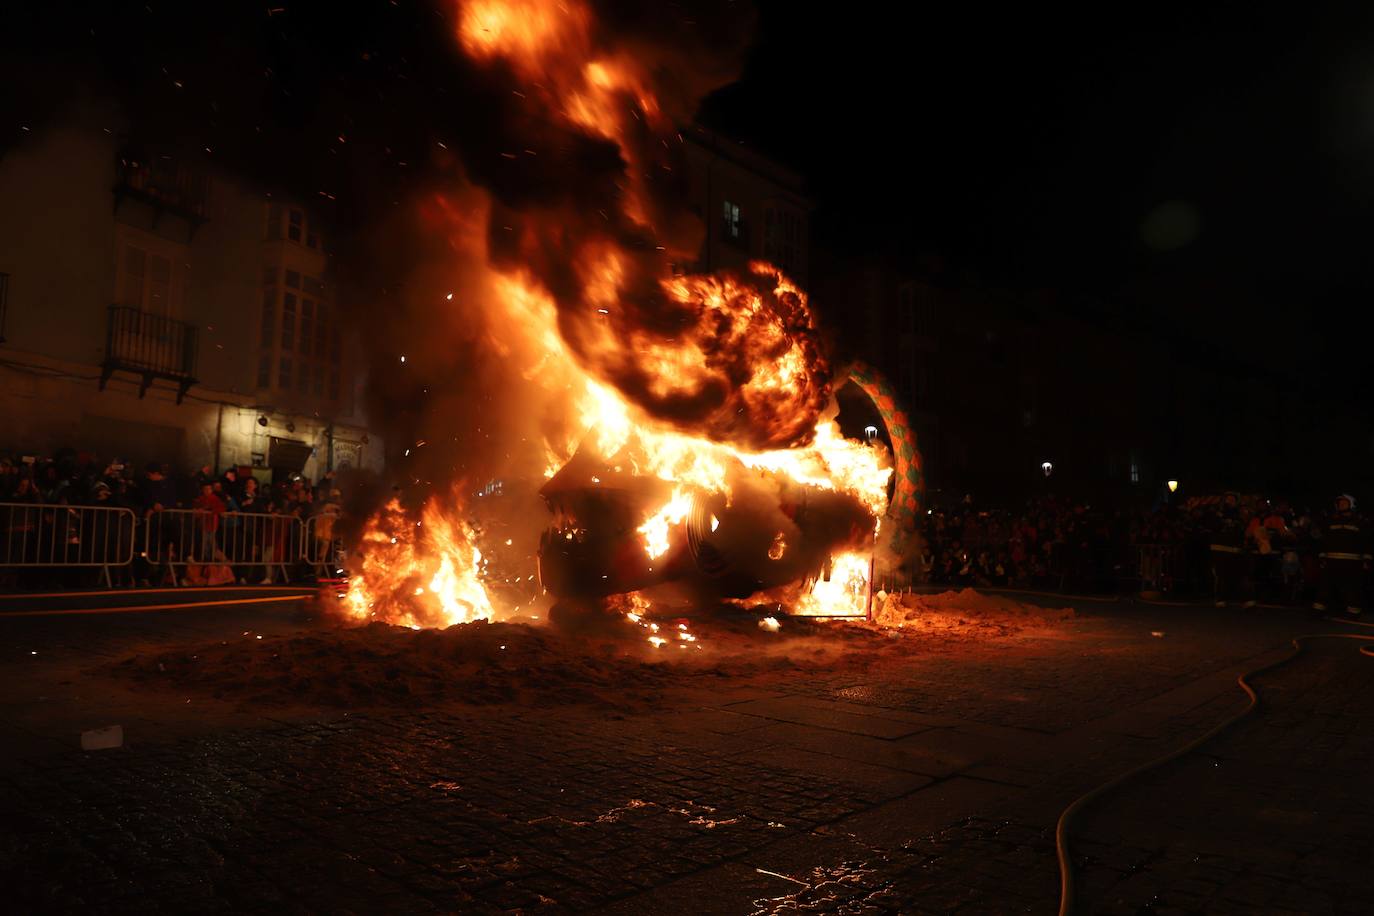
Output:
x,y
1062,545
220,500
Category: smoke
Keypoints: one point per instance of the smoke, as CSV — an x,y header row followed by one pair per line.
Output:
x,y
580,183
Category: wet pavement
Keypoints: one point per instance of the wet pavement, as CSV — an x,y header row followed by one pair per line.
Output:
x,y
932,785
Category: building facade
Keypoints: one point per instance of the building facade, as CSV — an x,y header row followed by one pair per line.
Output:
x,y
752,207
158,309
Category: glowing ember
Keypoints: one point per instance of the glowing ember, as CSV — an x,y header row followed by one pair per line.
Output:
x,y
655,530
439,553
778,547
844,592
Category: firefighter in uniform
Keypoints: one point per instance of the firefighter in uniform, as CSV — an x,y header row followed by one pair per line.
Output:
x,y
1344,557
1228,551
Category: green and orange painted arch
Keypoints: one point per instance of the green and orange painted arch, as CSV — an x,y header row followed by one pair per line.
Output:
x,y
909,487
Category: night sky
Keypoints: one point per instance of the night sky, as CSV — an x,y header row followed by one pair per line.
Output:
x,y
1209,170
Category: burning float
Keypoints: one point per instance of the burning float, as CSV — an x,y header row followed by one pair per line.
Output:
x,y
686,422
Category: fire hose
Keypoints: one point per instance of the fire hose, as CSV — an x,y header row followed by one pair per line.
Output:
x,y
1061,831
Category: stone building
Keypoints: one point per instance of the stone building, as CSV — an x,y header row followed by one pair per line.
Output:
x,y
158,309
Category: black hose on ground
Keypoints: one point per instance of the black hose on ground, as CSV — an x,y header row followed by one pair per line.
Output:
x,y
1061,831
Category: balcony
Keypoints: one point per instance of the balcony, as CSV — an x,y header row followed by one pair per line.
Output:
x,y
150,346
165,186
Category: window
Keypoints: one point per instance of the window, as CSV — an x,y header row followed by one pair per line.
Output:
x,y
321,334
135,267
284,373
288,322
293,279
334,346
147,281
1135,468
334,385
269,315
159,300
265,370
303,378
732,220
782,238
313,285
293,231
319,379
312,240
307,324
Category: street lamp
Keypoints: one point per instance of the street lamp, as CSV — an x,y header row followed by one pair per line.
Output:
x,y
1173,486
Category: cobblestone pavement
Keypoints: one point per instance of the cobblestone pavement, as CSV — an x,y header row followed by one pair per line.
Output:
x,y
924,787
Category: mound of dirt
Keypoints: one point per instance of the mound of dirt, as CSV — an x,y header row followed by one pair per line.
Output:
x,y
624,663
965,611
481,663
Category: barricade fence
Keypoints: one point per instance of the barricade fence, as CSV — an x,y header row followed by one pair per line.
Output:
x,y
182,537
55,536
52,536
320,545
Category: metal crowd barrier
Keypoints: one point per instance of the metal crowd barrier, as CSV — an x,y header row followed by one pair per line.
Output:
x,y
51,536
180,537
320,544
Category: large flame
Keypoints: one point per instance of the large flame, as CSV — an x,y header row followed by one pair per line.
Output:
x,y
692,379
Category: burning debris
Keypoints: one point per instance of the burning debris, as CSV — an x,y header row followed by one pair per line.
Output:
x,y
682,425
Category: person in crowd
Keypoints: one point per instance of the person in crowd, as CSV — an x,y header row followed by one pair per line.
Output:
x,y
326,516
210,509
1228,551
231,486
1344,559
250,500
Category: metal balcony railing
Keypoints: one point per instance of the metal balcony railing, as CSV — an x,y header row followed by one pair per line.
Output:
x,y
152,346
165,184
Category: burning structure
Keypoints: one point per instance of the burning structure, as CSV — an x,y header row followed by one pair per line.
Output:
x,y
682,425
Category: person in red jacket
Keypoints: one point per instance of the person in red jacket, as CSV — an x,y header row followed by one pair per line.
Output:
x,y
210,508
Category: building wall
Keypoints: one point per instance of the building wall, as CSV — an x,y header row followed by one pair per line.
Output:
x,y
57,241
753,208
73,247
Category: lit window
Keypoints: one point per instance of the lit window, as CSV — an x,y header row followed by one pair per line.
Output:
x,y
1135,469
732,220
